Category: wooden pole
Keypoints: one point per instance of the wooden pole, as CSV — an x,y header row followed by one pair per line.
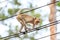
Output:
x,y
51,19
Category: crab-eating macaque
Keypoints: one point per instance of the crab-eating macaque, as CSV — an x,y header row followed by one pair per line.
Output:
x,y
24,19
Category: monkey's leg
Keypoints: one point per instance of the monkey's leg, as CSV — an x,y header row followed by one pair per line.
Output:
x,y
21,28
24,22
25,26
20,21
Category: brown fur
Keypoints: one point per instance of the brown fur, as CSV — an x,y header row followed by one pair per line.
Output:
x,y
24,19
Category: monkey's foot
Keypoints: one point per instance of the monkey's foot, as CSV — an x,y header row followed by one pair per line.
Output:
x,y
28,29
23,32
37,28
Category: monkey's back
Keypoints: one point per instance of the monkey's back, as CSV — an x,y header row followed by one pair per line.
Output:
x,y
26,17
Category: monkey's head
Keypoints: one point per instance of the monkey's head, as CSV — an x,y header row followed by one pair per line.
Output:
x,y
36,21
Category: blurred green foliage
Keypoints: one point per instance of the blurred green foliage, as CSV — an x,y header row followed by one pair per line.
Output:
x,y
6,39
12,11
25,36
32,38
0,37
58,4
33,11
10,30
16,2
16,28
2,16
37,15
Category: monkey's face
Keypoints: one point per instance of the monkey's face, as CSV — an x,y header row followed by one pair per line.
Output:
x,y
37,20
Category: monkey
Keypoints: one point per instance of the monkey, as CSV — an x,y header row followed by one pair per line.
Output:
x,y
24,19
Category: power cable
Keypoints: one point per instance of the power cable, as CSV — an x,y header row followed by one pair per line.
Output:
x,y
29,10
38,28
48,36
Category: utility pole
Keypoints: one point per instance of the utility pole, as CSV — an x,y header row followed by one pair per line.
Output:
x,y
52,18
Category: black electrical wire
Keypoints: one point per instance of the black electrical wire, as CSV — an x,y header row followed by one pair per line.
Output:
x,y
38,28
48,35
30,10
